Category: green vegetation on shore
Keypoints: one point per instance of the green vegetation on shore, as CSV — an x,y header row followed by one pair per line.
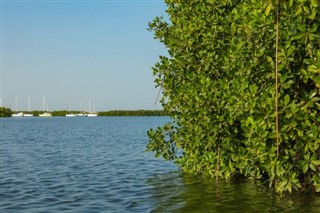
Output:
x,y
133,113
102,113
5,112
221,87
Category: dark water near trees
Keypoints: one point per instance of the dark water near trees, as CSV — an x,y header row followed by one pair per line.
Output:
x,y
100,165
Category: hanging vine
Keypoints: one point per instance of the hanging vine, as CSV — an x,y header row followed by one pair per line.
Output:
x,y
277,77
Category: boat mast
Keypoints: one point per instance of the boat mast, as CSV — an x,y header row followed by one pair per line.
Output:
x,y
29,104
16,104
44,103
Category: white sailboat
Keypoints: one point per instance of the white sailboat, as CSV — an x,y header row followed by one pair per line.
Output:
x,y
46,113
70,114
81,114
29,108
91,114
17,114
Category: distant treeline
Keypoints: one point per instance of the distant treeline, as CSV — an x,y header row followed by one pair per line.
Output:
x,y
133,113
5,112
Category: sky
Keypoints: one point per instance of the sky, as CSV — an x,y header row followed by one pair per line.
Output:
x,y
71,51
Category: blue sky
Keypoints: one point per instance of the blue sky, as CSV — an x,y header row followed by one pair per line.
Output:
x,y
73,51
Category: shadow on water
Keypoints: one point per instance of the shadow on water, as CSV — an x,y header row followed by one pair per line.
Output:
x,y
172,192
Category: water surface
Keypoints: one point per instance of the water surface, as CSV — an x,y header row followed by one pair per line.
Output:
x,y
100,165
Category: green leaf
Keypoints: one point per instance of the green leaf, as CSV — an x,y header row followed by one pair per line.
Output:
x,y
286,99
316,162
302,28
313,14
297,36
312,167
305,168
313,100
314,28
312,93
269,59
268,8
306,9
291,50
304,72
299,10
316,79
313,69
314,3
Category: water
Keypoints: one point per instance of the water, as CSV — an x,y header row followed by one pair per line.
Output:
x,y
100,165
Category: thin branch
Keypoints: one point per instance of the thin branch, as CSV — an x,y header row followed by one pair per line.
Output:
x,y
218,165
158,95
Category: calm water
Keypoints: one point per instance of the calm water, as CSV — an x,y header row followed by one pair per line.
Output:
x,y
100,165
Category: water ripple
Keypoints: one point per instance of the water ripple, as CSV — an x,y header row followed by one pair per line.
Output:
x,y
100,165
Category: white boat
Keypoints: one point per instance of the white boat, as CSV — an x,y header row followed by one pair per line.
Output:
x,y
20,114
46,114
81,112
70,115
27,115
45,108
92,114
29,108
81,115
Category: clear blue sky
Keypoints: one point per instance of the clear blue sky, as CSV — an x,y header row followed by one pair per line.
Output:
x,y
80,50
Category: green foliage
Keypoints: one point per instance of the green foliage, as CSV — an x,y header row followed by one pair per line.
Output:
x,y
61,113
5,112
219,87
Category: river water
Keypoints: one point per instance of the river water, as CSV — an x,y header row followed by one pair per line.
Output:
x,y
99,164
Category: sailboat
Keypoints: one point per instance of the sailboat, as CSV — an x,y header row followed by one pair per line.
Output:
x,y
18,114
91,114
45,114
80,114
70,114
29,108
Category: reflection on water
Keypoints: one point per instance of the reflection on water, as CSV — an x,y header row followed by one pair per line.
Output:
x,y
172,192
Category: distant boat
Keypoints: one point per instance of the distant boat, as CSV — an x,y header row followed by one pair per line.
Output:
x,y
91,114
27,115
29,108
47,113
20,114
81,112
70,114
81,115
